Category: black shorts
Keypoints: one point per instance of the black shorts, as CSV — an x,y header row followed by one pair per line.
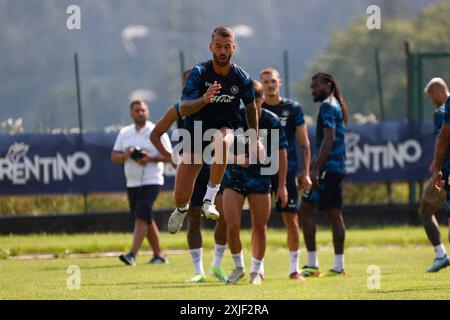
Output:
x,y
200,187
244,181
329,193
141,201
232,124
292,189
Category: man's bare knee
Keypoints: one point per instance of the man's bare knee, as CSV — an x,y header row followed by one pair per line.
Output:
x,y
233,227
259,228
290,220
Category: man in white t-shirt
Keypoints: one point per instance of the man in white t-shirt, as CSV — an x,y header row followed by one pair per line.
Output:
x,y
144,168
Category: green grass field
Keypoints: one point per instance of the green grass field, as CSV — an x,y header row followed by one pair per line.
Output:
x,y
402,255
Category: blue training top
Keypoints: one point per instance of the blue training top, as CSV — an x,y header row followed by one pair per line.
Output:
x,y
331,115
291,116
236,86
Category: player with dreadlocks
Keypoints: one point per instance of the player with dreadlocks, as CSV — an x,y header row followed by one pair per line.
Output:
x,y
328,171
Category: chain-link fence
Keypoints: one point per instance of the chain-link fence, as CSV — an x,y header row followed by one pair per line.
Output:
x,y
45,96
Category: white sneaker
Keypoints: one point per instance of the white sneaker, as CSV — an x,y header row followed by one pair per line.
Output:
x,y
255,278
210,211
235,276
176,220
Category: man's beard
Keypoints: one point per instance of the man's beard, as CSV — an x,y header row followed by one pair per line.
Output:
x,y
320,97
220,62
140,122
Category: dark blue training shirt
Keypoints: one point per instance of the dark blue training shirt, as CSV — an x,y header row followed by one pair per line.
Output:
x,y
291,116
331,115
267,123
446,163
224,111
183,122
438,118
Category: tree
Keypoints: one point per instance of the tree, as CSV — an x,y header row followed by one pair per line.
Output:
x,y
350,58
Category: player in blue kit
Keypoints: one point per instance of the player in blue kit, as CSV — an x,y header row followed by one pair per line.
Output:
x,y
438,93
212,98
328,171
249,181
194,235
292,119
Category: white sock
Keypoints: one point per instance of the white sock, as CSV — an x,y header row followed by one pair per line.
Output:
x,y
184,208
440,251
313,259
256,265
238,259
211,192
197,260
294,257
261,268
338,262
219,251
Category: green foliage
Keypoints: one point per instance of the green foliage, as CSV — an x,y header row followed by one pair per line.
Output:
x,y
68,204
350,57
375,193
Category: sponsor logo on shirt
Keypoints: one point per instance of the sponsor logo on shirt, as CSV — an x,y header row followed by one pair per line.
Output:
x,y
223,99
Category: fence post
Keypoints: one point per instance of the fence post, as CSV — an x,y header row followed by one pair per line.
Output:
x,y
287,93
182,63
382,110
77,79
80,117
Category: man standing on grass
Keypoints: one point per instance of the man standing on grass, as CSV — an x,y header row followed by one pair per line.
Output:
x,y
328,171
438,93
248,181
144,169
293,122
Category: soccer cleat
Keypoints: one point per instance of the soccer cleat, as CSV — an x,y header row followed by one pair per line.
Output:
x,y
310,272
297,276
439,264
255,278
219,274
176,220
129,259
198,278
210,211
333,273
158,260
235,276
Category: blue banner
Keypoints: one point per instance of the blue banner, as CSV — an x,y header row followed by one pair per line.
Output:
x,y
56,164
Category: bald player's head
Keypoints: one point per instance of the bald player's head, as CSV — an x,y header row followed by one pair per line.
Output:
x,y
437,91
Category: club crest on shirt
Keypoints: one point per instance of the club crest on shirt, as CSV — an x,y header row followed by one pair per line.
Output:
x,y
234,89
